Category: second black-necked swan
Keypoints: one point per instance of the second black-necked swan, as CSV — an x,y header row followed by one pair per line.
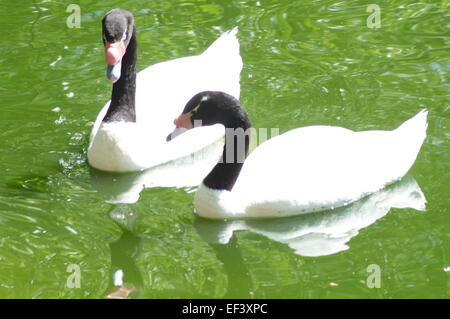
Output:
x,y
304,170
129,133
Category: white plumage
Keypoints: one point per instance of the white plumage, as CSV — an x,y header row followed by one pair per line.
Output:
x,y
315,168
162,90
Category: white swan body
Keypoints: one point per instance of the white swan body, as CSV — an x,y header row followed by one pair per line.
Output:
x,y
315,168
161,91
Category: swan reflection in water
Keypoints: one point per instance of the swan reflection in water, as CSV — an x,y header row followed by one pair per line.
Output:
x,y
313,235
185,172
324,233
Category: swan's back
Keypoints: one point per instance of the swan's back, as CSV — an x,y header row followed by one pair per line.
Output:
x,y
321,167
164,88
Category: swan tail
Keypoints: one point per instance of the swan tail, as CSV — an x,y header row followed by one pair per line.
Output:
x,y
226,43
225,59
411,134
415,128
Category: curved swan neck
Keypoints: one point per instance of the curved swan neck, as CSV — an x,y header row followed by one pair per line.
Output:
x,y
122,107
237,139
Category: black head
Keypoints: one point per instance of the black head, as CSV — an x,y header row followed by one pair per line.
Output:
x,y
217,107
117,25
117,31
209,108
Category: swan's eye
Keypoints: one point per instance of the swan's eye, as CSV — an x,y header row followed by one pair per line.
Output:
x,y
124,36
195,109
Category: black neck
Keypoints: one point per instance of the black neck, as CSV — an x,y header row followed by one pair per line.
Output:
x,y
225,173
122,107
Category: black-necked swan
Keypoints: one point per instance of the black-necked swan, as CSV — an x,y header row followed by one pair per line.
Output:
x,y
304,170
130,131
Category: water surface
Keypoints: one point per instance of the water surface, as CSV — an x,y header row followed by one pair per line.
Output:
x,y
305,62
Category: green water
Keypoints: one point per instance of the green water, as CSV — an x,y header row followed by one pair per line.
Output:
x,y
305,62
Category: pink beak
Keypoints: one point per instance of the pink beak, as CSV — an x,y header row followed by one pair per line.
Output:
x,y
114,52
